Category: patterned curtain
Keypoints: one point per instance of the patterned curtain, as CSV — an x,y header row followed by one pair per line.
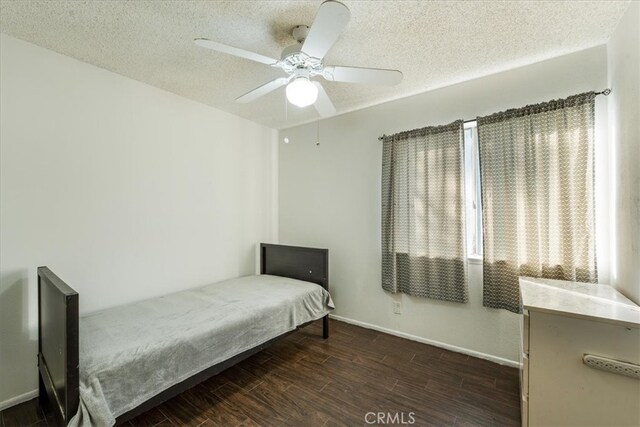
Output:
x,y
536,166
423,238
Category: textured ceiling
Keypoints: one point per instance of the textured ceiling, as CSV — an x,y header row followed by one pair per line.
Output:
x,y
434,43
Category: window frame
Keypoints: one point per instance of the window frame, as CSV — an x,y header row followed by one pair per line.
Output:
x,y
473,194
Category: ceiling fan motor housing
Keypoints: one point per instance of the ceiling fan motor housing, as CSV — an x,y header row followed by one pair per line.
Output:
x,y
299,33
290,50
295,62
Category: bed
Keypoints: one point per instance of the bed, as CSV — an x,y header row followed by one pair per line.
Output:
x,y
110,366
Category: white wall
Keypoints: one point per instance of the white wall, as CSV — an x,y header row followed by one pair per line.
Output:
x,y
330,197
124,190
624,133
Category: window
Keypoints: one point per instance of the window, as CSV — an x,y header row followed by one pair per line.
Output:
x,y
473,198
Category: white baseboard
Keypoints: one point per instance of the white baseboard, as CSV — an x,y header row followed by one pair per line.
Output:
x,y
18,399
489,357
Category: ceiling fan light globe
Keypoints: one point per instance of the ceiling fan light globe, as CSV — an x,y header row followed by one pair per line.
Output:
x,y
301,92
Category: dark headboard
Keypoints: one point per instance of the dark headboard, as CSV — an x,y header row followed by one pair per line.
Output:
x,y
58,345
295,262
58,351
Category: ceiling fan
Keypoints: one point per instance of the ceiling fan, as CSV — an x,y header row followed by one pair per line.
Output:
x,y
303,60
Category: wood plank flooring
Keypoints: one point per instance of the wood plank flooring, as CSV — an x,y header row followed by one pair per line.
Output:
x,y
304,380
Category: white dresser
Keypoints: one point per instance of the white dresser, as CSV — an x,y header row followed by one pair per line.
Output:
x,y
563,322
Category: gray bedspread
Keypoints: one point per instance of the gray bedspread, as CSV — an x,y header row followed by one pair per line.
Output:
x,y
130,353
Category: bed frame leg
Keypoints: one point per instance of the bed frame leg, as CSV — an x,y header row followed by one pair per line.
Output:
x,y
325,327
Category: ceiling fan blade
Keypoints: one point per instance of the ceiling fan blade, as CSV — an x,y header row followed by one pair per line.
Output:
x,y
375,76
323,104
219,47
262,90
330,21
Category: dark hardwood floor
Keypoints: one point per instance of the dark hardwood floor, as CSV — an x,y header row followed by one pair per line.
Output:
x,y
306,381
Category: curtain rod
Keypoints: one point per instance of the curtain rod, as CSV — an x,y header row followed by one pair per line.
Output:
x,y
605,92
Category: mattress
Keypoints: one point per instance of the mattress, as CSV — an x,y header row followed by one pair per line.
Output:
x,y
130,353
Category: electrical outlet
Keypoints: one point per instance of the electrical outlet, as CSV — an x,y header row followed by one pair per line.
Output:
x,y
397,307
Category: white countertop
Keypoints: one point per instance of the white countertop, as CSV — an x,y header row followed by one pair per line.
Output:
x,y
583,300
